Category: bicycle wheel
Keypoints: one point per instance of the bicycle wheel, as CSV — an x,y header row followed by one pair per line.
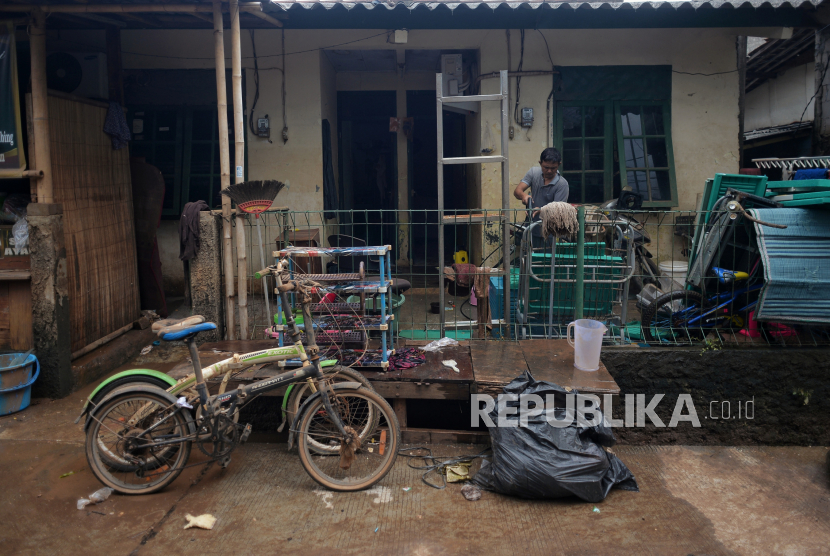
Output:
x,y
112,459
671,318
373,458
333,375
117,451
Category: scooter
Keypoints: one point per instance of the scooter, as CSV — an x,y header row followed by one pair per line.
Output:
x,y
645,269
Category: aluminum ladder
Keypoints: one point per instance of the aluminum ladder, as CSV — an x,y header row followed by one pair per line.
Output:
x,y
441,100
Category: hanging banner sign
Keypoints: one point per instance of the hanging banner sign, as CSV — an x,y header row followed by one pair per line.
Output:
x,y
12,157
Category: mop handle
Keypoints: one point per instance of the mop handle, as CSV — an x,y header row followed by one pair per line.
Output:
x,y
264,278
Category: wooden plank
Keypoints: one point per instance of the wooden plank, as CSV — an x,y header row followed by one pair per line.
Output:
x,y
498,362
553,361
399,406
21,335
21,274
436,436
422,390
16,262
432,370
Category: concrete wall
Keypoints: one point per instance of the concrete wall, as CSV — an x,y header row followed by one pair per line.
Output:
x,y
782,100
704,108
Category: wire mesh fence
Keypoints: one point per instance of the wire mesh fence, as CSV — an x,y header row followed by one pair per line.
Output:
x,y
654,278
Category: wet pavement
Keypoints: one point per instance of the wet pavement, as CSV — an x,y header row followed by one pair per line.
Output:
x,y
692,500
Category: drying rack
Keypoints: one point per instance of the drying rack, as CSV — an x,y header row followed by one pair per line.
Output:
x,y
343,285
536,322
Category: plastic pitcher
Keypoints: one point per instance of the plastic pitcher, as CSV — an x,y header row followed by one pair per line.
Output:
x,y
587,343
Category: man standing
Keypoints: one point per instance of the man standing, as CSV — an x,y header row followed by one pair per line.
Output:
x,y
546,185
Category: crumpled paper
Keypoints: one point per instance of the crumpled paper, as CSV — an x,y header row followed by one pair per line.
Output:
x,y
204,521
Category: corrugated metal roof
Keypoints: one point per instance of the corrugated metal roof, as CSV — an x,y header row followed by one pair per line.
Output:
x,y
453,4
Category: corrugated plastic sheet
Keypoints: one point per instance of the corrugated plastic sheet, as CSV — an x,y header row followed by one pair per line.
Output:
x,y
796,265
452,5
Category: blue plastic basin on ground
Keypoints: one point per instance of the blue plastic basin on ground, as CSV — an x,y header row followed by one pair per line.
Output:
x,y
16,382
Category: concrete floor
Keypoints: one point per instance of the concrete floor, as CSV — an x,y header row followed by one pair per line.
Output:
x,y
693,500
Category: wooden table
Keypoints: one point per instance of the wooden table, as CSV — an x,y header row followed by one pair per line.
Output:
x,y
498,363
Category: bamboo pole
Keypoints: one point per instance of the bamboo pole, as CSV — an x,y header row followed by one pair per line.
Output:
x,y
224,164
242,273
40,107
239,161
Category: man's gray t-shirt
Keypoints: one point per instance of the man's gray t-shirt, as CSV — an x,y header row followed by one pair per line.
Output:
x,y
556,191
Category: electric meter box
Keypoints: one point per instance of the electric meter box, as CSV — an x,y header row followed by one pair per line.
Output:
x,y
451,70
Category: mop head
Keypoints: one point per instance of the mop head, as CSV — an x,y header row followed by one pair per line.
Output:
x,y
559,220
254,197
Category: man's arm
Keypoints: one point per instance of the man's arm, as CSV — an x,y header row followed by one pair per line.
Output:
x,y
521,192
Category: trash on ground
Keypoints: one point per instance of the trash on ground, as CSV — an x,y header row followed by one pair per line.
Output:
x,y
376,528
95,498
528,462
157,343
438,344
596,510
471,492
146,350
458,472
182,402
451,364
204,521
66,474
406,489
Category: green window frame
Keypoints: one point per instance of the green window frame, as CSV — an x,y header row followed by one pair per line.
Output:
x,y
644,148
585,133
635,133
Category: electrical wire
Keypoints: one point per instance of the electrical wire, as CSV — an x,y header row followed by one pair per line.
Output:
x,y
438,463
256,84
518,78
706,74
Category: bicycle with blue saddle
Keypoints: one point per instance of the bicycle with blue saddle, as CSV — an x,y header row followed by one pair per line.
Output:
x,y
139,436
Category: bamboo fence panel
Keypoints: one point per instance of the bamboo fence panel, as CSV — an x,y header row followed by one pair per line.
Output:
x,y
92,182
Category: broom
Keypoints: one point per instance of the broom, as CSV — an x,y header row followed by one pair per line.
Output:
x,y
255,197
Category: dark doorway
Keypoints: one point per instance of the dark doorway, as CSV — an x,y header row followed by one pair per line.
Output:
x,y
368,165
423,177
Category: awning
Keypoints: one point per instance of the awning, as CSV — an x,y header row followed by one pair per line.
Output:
x,y
453,4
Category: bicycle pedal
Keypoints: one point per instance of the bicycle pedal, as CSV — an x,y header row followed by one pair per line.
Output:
x,y
245,434
225,462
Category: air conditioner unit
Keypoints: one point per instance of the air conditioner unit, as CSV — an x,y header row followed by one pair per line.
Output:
x,y
83,74
452,71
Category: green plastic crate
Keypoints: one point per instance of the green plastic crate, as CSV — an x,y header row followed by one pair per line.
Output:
x,y
597,298
756,185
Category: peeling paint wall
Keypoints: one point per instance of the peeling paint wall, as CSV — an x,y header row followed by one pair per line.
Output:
x,y
704,108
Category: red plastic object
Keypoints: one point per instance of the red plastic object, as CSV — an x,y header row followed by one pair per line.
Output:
x,y
752,327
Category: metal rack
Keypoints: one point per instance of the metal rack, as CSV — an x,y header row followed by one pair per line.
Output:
x,y
441,100
615,276
345,284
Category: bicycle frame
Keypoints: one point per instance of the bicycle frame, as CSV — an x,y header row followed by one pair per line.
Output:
x,y
311,369
722,301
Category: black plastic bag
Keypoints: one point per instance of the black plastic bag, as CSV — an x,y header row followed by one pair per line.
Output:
x,y
543,461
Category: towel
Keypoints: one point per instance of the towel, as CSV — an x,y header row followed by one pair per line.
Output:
x,y
464,274
811,174
115,125
189,238
482,290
